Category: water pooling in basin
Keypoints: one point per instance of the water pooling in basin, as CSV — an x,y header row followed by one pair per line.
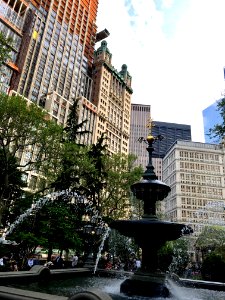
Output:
x,y
69,287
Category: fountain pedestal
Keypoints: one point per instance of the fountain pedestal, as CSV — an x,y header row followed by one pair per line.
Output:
x,y
150,234
145,284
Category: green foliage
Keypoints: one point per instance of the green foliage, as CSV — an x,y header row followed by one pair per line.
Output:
x,y
5,48
27,128
115,197
104,179
21,202
165,256
73,128
74,158
89,170
213,268
174,257
120,245
25,132
59,226
28,241
11,182
55,225
96,176
74,165
212,237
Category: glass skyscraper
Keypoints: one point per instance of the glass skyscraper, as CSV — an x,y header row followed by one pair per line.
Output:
x,y
211,117
171,132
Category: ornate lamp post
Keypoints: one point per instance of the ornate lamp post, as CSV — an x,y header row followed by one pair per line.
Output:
x,y
92,232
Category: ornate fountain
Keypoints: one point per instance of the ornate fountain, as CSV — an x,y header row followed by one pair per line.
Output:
x,y
149,233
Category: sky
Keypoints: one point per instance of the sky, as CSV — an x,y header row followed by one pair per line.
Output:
x,y
174,51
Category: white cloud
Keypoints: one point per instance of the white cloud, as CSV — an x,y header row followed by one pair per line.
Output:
x,y
167,3
178,76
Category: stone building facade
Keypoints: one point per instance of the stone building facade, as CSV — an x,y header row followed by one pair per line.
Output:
x,y
195,173
111,94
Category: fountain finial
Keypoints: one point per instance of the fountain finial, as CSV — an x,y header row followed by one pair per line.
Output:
x,y
150,124
150,140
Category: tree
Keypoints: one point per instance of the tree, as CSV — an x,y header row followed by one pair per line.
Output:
x,y
74,164
115,197
212,238
54,226
213,267
29,141
174,256
95,178
74,153
219,129
13,188
120,246
73,128
5,48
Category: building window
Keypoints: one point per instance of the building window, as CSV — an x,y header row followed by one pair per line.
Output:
x,y
33,182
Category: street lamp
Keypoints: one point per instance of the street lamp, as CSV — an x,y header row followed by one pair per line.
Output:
x,y
92,234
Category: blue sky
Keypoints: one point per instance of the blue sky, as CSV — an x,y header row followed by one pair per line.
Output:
x,y
175,53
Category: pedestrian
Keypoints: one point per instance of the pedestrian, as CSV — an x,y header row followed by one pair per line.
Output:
x,y
2,262
138,263
30,262
13,264
59,262
74,260
188,270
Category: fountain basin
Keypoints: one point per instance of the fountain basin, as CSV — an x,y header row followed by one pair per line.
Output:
x,y
111,285
146,285
150,234
148,229
149,189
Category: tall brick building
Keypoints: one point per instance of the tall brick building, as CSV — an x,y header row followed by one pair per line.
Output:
x,y
52,57
112,95
53,53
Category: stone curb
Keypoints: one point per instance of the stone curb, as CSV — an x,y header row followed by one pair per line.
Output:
x,y
8,293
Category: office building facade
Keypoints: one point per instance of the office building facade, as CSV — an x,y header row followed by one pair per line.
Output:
x,y
140,115
55,47
52,57
170,132
13,16
195,173
111,95
87,112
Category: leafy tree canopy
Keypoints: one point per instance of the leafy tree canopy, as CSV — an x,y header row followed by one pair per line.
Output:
x,y
55,225
174,256
75,154
74,128
122,173
212,237
29,141
26,129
